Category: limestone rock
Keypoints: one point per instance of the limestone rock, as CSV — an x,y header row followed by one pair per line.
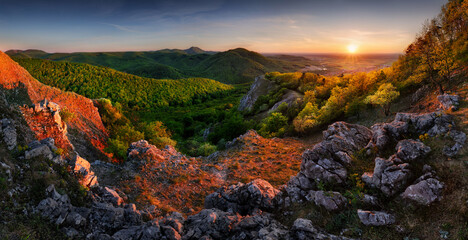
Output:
x,y
424,192
410,150
41,150
303,229
8,130
326,161
375,218
243,198
332,201
390,176
82,168
210,224
260,87
449,102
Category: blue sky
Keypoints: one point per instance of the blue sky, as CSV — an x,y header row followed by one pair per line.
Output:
x,y
313,26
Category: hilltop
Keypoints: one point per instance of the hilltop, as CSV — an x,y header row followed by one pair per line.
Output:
x,y
233,66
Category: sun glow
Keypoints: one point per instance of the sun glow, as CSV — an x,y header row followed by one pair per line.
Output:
x,y
352,48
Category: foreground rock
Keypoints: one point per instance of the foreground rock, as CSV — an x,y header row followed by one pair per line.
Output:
x,y
424,191
331,201
303,229
449,102
8,130
243,198
375,218
326,162
390,176
45,148
82,169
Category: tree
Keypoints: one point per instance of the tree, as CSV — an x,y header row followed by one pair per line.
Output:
x,y
383,97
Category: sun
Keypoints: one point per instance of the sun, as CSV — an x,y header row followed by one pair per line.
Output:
x,y
352,48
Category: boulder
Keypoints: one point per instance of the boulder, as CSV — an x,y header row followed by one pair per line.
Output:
x,y
424,192
243,198
449,102
261,226
390,176
210,224
331,201
41,150
410,150
82,168
459,137
8,130
303,229
375,218
326,161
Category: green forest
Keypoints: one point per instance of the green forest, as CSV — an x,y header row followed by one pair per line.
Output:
x,y
133,92
233,66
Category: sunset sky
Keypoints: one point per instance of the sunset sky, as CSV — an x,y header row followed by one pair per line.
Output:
x,y
268,26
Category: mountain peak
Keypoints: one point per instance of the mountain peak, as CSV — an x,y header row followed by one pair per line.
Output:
x,y
194,50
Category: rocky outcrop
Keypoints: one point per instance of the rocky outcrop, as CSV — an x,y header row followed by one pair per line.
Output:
x,y
326,162
243,198
8,130
331,201
410,150
459,138
405,124
425,190
449,102
46,148
303,229
82,170
375,218
390,176
290,97
260,87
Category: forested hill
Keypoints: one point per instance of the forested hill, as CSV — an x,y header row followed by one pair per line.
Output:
x,y
233,66
129,90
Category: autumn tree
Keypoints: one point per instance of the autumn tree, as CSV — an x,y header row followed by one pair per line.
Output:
x,y
383,97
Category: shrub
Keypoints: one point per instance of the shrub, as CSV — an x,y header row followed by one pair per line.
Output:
x,y
273,126
66,115
206,149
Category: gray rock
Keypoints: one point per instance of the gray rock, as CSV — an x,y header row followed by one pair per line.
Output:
x,y
331,201
424,192
459,137
260,87
211,223
82,168
390,176
303,229
130,233
42,150
8,130
290,97
370,200
243,198
449,102
410,150
326,161
259,227
375,218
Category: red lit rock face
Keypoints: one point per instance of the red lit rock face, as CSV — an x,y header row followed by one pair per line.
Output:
x,y
87,120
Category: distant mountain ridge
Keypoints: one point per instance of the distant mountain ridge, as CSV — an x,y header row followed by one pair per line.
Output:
x,y
233,66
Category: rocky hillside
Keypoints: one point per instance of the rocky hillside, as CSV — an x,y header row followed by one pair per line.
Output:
x,y
358,182
84,122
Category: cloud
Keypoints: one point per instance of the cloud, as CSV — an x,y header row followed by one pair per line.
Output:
x,y
122,28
